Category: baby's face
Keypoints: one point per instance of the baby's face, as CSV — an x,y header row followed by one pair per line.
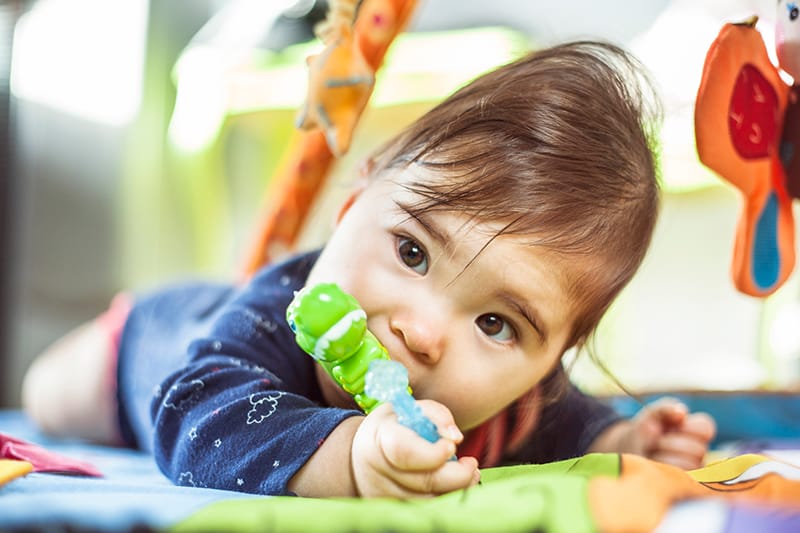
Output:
x,y
477,322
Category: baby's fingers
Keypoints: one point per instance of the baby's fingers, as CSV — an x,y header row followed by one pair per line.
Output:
x,y
682,450
687,445
406,450
403,449
684,462
701,426
453,475
664,412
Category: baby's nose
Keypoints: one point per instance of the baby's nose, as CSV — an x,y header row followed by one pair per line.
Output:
x,y
423,336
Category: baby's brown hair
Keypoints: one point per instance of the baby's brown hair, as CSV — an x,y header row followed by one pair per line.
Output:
x,y
559,146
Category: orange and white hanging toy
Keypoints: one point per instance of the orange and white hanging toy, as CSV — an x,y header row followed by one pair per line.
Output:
x,y
747,129
356,34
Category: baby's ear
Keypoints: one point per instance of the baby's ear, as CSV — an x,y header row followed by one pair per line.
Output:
x,y
364,172
348,203
365,169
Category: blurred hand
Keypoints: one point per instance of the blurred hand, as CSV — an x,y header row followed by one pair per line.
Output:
x,y
664,431
389,459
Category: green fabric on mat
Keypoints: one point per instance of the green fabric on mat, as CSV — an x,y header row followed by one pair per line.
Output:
x,y
548,498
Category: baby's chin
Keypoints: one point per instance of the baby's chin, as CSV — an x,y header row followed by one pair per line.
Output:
x,y
467,423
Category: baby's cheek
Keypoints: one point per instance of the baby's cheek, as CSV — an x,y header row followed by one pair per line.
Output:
x,y
333,394
469,413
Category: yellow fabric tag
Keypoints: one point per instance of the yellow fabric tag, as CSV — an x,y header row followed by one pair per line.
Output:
x,y
726,469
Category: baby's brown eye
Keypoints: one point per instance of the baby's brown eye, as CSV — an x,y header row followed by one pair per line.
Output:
x,y
495,327
412,255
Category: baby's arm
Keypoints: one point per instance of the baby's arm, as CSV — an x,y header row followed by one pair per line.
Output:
x,y
664,431
375,456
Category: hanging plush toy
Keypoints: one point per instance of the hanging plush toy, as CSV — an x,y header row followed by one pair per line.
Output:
x,y
357,34
747,128
340,80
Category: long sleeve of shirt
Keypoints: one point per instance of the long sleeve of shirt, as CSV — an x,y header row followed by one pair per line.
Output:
x,y
241,408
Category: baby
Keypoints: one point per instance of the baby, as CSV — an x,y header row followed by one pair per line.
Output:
x,y
491,237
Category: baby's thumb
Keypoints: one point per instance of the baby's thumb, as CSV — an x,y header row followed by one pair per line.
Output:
x,y
443,419
667,412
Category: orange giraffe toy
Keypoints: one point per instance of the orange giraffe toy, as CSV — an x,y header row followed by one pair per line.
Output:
x,y
747,128
356,35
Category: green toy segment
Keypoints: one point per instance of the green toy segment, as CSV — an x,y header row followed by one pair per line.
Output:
x,y
331,327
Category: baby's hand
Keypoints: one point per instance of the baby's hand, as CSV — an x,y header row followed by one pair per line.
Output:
x,y
664,431
668,433
389,459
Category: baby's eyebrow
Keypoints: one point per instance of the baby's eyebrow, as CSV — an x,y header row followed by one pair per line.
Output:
x,y
440,236
528,312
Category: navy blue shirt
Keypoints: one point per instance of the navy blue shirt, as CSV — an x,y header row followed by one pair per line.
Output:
x,y
211,381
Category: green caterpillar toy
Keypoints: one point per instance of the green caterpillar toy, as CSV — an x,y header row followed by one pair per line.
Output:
x,y
331,327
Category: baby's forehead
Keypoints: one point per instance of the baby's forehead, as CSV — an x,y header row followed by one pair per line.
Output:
x,y
525,252
496,260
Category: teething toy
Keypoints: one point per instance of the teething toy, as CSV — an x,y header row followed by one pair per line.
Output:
x,y
387,381
331,327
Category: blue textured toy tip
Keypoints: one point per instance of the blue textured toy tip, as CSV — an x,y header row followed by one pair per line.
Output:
x,y
387,381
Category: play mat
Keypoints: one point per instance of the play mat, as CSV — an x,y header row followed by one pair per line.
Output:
x,y
72,486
